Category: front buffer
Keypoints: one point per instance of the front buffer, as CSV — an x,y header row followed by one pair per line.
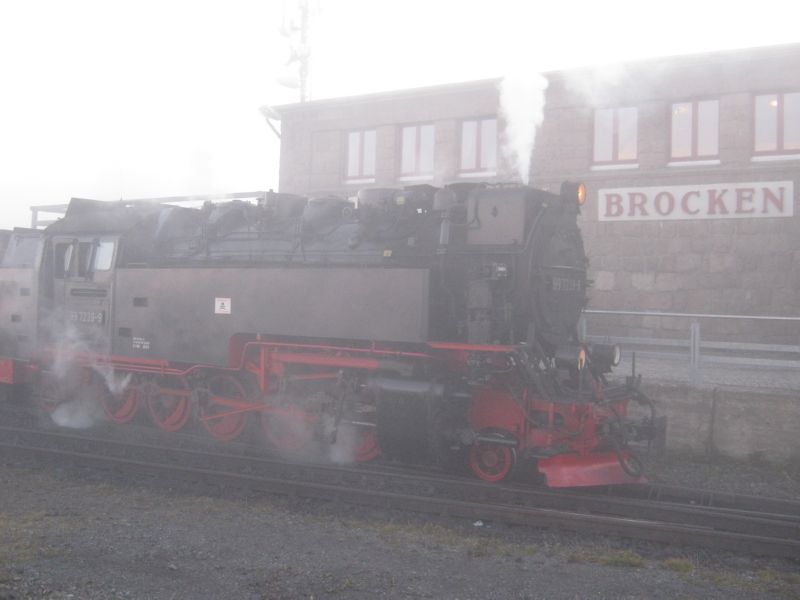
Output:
x,y
595,468
577,443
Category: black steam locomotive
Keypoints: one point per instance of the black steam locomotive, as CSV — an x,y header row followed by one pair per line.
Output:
x,y
427,325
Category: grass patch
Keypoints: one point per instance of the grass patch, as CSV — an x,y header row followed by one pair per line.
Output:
x,y
23,536
778,578
727,579
608,558
679,565
20,536
759,583
475,546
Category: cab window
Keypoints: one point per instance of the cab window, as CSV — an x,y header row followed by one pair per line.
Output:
x,y
81,258
62,259
103,255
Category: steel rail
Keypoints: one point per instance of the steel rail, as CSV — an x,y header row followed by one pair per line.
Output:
x,y
781,543
648,313
142,436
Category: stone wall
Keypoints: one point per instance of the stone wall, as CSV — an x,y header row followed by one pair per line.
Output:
x,y
737,266
731,422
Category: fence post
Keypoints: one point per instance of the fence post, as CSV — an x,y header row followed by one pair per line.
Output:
x,y
694,351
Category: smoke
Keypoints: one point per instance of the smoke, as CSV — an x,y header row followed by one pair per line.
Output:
x,y
115,382
343,450
79,413
601,84
73,383
86,408
522,99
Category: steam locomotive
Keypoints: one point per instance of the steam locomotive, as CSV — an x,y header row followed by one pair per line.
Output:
x,y
426,325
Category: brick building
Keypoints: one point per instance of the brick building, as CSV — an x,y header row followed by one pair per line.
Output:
x,y
692,165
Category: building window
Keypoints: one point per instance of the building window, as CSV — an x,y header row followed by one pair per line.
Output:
x,y
615,135
416,155
479,145
777,123
361,154
695,130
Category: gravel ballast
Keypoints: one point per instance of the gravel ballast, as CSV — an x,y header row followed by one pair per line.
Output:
x,y
67,532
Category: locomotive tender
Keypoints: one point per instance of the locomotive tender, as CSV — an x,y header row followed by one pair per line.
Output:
x,y
428,325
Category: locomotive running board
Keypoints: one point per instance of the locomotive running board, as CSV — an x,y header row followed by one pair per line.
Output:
x,y
572,470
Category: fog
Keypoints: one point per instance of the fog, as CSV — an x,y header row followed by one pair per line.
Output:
x,y
120,99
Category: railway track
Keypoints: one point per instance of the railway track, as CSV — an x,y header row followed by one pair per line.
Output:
x,y
656,513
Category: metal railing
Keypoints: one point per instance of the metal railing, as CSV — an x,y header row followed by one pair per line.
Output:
x,y
695,348
56,211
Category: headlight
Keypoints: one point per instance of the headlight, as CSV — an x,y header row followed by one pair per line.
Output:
x,y
617,355
575,192
606,356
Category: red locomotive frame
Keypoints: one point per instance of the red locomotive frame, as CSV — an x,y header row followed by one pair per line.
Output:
x,y
165,391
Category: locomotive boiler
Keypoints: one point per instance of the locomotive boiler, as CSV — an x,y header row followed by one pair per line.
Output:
x,y
426,325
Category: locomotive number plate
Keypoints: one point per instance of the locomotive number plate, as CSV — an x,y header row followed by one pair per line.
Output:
x,y
566,284
91,317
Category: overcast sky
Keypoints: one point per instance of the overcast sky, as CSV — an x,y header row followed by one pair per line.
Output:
x,y
135,98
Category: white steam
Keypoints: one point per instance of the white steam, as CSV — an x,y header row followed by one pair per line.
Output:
x,y
80,413
522,99
115,382
343,450
601,85
81,394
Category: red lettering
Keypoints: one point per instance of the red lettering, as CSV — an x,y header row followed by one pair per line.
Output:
x,y
637,200
670,203
685,203
744,195
613,205
715,202
769,196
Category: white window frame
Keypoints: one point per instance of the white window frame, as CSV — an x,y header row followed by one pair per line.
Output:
x,y
417,151
615,120
483,153
701,123
361,152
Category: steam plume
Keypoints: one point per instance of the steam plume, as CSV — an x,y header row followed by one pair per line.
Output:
x,y
522,99
81,405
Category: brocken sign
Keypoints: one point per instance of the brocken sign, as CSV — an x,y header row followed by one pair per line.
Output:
x,y
684,202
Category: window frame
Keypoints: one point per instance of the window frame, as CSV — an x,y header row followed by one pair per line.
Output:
x,y
76,258
694,156
99,253
615,161
479,168
417,173
361,177
780,127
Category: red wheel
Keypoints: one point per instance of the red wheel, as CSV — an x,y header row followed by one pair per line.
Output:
x,y
367,447
121,407
169,408
491,462
288,428
226,396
